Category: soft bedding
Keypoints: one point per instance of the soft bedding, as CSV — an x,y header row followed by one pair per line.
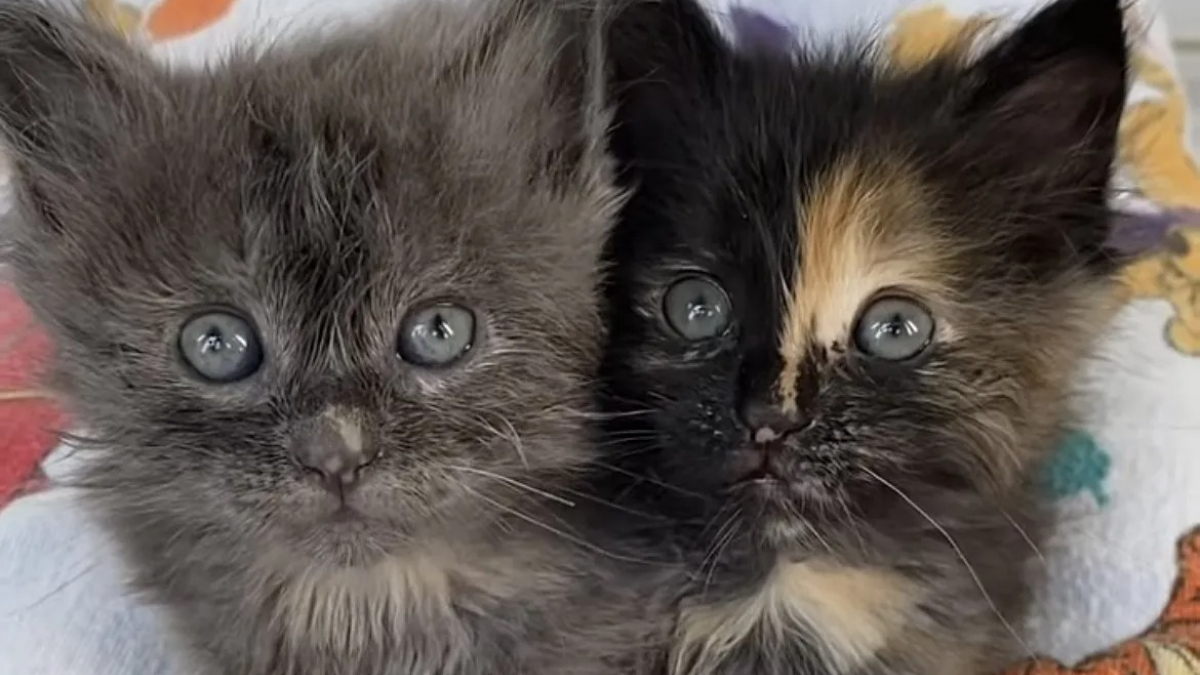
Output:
x,y
1126,480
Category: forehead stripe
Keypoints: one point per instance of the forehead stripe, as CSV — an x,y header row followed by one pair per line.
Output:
x,y
863,227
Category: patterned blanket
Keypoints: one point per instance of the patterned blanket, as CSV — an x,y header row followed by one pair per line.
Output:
x,y
1170,647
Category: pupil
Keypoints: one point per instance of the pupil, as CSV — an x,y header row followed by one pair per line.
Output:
x,y
699,310
212,341
441,329
899,327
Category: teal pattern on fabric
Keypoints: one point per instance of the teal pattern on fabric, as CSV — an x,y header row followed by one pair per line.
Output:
x,y
1079,465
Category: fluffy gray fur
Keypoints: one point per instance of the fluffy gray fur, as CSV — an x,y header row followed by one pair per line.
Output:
x,y
324,189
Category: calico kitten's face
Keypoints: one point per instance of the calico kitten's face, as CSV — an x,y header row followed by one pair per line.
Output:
x,y
320,301
835,284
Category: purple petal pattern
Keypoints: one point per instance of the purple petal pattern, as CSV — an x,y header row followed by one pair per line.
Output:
x,y
1136,233
755,31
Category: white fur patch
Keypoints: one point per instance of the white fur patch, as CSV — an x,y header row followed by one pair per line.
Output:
x,y
849,613
345,609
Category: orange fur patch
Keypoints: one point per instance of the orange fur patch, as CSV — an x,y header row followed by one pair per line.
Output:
x,y
923,34
863,228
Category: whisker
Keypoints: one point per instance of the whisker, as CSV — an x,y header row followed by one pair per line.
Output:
x,y
852,525
553,530
509,434
515,439
512,482
1024,535
816,534
652,481
725,536
596,499
987,597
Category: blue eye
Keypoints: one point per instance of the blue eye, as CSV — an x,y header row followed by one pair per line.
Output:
x,y
894,329
436,336
220,347
697,308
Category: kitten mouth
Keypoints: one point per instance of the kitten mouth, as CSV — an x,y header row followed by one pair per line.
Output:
x,y
772,491
769,476
765,470
345,514
764,476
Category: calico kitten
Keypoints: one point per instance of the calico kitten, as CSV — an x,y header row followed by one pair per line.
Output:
x,y
328,314
852,299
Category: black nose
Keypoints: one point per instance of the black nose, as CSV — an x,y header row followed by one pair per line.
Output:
x,y
334,448
769,421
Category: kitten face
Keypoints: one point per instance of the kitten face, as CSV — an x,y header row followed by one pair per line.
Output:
x,y
880,275
843,292
321,301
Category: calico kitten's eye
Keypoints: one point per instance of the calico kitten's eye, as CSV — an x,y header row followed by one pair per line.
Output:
x,y
697,308
894,329
221,347
437,335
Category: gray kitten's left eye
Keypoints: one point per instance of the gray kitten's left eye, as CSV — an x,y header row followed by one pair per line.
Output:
x,y
221,347
437,335
894,329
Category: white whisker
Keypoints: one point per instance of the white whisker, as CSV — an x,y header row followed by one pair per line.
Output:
x,y
553,530
652,481
1024,535
515,483
724,537
987,597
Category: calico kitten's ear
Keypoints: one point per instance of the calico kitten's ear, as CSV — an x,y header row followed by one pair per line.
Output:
x,y
663,47
1060,79
65,85
665,59
1044,106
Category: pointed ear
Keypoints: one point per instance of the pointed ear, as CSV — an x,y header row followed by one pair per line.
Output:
x,y
663,52
1039,115
668,39
64,84
539,66
58,72
1056,87
580,77
667,60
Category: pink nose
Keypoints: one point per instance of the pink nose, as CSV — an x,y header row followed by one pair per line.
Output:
x,y
336,454
769,422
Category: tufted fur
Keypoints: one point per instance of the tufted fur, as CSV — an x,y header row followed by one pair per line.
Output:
x,y
323,189
899,534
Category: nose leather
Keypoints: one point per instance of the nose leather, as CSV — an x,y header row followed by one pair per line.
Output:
x,y
332,447
768,421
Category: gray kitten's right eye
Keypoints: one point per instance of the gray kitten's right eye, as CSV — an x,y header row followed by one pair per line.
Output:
x,y
697,308
220,346
437,335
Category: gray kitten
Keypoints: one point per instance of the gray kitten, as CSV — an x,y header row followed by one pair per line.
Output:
x,y
328,314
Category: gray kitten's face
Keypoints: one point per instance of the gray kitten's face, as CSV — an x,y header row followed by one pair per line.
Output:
x,y
239,269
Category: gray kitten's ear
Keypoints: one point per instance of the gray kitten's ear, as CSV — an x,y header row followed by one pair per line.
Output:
x,y
59,71
545,59
65,84
586,78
